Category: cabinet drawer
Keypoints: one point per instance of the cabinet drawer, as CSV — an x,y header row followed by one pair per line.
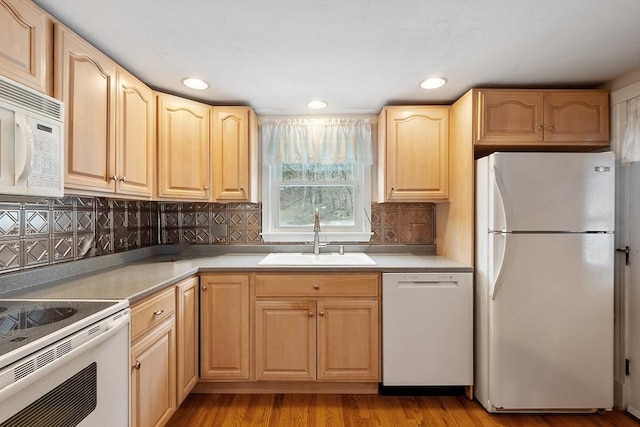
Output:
x,y
305,285
152,311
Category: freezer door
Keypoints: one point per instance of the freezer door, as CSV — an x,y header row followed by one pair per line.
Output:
x,y
552,191
551,322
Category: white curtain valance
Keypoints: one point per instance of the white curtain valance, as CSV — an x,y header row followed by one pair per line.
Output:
x,y
631,142
317,140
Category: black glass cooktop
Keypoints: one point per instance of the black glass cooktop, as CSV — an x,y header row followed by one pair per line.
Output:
x,y
23,322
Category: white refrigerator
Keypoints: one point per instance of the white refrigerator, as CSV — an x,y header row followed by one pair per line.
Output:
x,y
544,282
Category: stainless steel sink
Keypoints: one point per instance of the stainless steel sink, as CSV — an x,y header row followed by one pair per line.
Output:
x,y
306,259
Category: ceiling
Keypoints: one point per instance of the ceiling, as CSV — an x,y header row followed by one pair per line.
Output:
x,y
358,55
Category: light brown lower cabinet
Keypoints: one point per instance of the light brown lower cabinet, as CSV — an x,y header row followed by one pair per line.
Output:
x,y
332,337
164,352
224,324
153,373
187,308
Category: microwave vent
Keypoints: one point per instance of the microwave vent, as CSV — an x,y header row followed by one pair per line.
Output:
x,y
30,100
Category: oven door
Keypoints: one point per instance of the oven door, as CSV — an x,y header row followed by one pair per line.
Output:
x,y
88,386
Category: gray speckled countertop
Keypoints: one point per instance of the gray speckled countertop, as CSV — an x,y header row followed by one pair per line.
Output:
x,y
140,278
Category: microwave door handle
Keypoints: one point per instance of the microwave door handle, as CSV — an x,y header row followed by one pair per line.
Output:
x,y
23,150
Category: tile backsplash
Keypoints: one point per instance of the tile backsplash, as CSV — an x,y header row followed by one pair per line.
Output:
x,y
37,232
240,223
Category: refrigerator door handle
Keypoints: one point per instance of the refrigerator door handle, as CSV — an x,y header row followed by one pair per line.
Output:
x,y
500,192
497,282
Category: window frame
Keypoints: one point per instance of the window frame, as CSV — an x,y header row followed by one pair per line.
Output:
x,y
273,233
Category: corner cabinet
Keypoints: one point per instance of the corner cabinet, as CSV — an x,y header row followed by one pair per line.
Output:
x,y
234,133
187,321
224,327
24,44
183,149
413,154
540,118
317,327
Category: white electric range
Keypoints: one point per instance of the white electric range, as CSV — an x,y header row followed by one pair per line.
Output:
x,y
64,362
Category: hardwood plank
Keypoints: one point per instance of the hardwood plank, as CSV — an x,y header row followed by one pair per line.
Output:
x,y
353,410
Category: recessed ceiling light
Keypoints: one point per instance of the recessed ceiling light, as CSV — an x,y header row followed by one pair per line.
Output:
x,y
195,83
433,83
316,104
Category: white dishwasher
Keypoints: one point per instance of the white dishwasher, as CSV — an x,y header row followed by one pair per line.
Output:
x,y
427,329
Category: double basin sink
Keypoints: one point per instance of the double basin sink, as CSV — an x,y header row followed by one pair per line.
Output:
x,y
327,259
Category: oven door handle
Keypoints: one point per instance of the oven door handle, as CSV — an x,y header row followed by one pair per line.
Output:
x,y
112,329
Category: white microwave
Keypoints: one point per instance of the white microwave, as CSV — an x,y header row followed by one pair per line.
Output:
x,y
31,142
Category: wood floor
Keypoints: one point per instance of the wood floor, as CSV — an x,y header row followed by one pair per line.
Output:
x,y
331,410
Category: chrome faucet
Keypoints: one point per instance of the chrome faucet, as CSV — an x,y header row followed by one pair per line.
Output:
x,y
316,232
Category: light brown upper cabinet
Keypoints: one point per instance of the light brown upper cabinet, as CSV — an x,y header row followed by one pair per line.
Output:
x,y
413,154
135,149
85,80
110,128
183,149
509,117
235,154
24,44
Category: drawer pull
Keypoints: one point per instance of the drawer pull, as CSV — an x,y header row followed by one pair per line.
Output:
x,y
316,287
137,366
158,312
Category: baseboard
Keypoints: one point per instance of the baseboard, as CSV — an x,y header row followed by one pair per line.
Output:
x,y
272,387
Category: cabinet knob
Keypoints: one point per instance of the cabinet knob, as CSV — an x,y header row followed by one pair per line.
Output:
x,y
539,127
158,312
551,128
311,314
123,179
137,366
242,189
316,287
114,177
206,187
321,314
204,287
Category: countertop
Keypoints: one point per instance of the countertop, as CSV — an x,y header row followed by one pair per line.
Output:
x,y
136,280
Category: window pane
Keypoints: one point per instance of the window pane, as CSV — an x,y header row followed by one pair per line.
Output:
x,y
334,202
316,172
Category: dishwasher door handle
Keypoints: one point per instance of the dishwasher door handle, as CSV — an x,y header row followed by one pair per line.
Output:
x,y
427,284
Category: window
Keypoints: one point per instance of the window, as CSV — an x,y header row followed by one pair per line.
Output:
x,y
314,163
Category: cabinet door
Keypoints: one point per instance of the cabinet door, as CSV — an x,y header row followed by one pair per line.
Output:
x,y
23,44
582,117
230,141
187,336
285,340
348,341
510,116
136,137
153,373
417,154
224,338
85,82
183,149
